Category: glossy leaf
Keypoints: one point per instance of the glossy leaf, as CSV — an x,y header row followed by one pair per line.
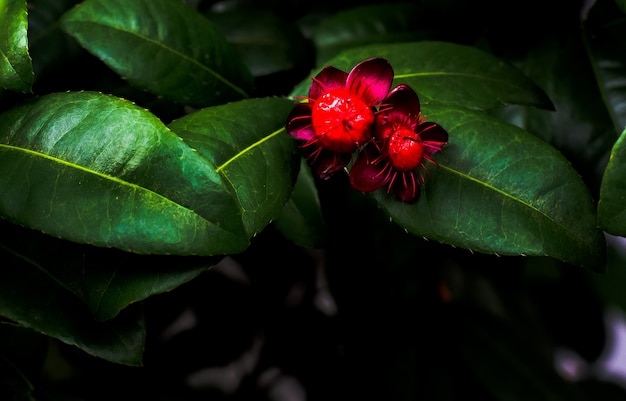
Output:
x,y
247,143
447,73
301,219
163,46
372,23
581,126
501,190
96,169
16,70
612,203
61,314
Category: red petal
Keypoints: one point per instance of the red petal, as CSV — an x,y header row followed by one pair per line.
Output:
x,y
366,176
299,124
408,191
329,78
371,80
326,163
402,106
434,136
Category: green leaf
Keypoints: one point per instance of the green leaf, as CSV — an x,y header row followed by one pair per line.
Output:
x,y
105,280
611,210
163,46
301,219
368,24
448,73
16,70
581,126
501,190
97,169
32,298
250,148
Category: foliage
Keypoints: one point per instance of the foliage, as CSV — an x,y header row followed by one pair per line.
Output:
x,y
163,237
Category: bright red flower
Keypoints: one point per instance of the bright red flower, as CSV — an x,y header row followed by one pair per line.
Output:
x,y
403,143
338,117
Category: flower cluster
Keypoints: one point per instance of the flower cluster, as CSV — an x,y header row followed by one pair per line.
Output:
x,y
359,112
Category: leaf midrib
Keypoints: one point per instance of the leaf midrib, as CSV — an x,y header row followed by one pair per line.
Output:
x,y
168,48
249,148
96,173
571,233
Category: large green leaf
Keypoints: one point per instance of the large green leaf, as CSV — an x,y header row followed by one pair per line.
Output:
x,y
612,203
581,126
247,143
97,169
448,73
502,190
163,46
16,70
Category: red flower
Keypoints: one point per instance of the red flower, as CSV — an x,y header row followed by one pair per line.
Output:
x,y
340,112
403,142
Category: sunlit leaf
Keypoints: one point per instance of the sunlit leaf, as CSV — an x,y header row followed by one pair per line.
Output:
x,y
447,73
16,70
163,46
499,189
96,169
248,144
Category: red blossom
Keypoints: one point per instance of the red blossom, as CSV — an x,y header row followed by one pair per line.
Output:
x,y
403,143
338,117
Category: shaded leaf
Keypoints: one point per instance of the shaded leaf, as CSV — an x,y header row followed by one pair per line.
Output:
x,y
506,358
16,71
163,46
105,280
368,24
606,28
22,355
611,206
248,144
268,44
501,190
96,169
61,314
301,219
447,73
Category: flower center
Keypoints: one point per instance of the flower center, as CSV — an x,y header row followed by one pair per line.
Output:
x,y
341,120
405,150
